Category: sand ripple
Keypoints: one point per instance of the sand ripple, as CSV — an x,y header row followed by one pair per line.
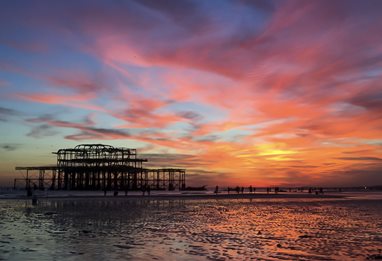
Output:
x,y
239,229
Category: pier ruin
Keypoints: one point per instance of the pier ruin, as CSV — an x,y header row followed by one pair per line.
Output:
x,y
100,167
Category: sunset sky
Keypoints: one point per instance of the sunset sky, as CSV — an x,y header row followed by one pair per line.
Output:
x,y
237,92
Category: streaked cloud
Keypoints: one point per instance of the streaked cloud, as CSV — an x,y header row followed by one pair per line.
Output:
x,y
6,113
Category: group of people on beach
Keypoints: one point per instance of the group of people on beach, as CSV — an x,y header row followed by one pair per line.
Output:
x,y
237,189
276,190
145,188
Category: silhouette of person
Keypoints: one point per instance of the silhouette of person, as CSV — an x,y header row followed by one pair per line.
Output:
x,y
29,191
237,189
216,190
242,190
250,189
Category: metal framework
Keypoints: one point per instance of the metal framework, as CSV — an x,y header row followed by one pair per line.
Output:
x,y
101,167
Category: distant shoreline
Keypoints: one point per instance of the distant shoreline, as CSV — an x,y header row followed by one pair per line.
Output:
x,y
190,196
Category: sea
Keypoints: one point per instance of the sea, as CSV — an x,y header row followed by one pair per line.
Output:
x,y
145,228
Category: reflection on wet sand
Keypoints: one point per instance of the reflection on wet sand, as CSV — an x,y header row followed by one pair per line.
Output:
x,y
263,229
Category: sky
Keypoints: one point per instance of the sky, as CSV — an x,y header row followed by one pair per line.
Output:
x,y
239,92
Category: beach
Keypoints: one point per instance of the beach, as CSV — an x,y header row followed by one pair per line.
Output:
x,y
208,194
193,227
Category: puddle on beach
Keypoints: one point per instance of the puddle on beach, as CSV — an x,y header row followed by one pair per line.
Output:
x,y
178,229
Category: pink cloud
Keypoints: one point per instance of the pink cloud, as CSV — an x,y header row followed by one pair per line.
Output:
x,y
77,81
75,100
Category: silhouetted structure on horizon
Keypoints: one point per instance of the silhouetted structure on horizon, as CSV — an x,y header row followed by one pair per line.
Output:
x,y
101,167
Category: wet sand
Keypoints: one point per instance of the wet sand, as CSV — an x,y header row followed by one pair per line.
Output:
x,y
272,227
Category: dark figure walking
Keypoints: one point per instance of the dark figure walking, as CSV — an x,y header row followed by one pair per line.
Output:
x,y
34,200
29,191
228,189
250,189
216,190
242,190
237,189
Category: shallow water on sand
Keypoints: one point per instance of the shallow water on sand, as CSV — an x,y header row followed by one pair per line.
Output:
x,y
179,229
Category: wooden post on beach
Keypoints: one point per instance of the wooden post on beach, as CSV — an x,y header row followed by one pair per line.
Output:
x,y
26,180
53,184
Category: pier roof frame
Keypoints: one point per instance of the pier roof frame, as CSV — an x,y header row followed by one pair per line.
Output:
x,y
97,148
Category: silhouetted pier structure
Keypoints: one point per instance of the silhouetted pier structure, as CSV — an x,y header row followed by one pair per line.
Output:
x,y
101,167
